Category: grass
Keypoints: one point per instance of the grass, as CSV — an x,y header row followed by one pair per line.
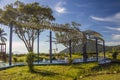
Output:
x,y
85,71
41,57
104,77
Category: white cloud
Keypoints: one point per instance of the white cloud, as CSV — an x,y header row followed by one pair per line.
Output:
x,y
106,31
19,47
114,18
111,28
98,18
59,8
116,36
112,43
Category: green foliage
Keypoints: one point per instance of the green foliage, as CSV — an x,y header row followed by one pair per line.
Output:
x,y
114,55
24,17
30,60
15,59
2,35
53,58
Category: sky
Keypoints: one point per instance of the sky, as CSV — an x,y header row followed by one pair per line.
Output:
x,y
102,16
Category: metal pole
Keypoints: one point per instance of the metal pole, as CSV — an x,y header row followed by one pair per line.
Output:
x,y
70,52
96,48
10,44
50,46
104,48
38,46
84,52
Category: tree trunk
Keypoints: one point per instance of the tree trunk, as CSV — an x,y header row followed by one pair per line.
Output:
x,y
73,49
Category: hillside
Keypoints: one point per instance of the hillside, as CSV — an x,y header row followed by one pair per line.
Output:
x,y
91,48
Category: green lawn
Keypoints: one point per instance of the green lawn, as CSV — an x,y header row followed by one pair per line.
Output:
x,y
104,77
86,71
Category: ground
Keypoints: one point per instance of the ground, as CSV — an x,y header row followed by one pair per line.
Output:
x,y
84,71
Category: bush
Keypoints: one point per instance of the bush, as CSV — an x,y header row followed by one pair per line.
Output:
x,y
54,58
21,60
114,55
30,60
15,59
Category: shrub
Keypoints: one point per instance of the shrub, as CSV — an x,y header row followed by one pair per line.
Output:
x,y
114,55
15,59
30,60
54,58
21,60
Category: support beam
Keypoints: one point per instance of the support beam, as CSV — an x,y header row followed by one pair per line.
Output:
x,y
50,46
96,48
84,52
104,49
38,45
70,49
10,43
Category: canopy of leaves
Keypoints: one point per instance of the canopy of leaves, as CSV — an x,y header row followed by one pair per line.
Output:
x,y
2,35
20,13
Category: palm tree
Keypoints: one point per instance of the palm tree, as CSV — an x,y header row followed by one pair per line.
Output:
x,y
2,35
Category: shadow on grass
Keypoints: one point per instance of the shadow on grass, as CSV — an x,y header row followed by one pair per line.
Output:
x,y
44,73
78,67
112,66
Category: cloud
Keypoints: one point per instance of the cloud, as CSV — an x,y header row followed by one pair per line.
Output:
x,y
106,31
19,47
112,43
111,28
114,18
116,36
59,8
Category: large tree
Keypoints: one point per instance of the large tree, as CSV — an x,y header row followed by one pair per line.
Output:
x,y
25,16
66,37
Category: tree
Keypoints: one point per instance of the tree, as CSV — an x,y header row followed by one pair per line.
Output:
x,y
30,60
114,55
2,35
65,37
28,36
23,17
70,39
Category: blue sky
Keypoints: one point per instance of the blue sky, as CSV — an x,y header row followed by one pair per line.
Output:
x,y
99,15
